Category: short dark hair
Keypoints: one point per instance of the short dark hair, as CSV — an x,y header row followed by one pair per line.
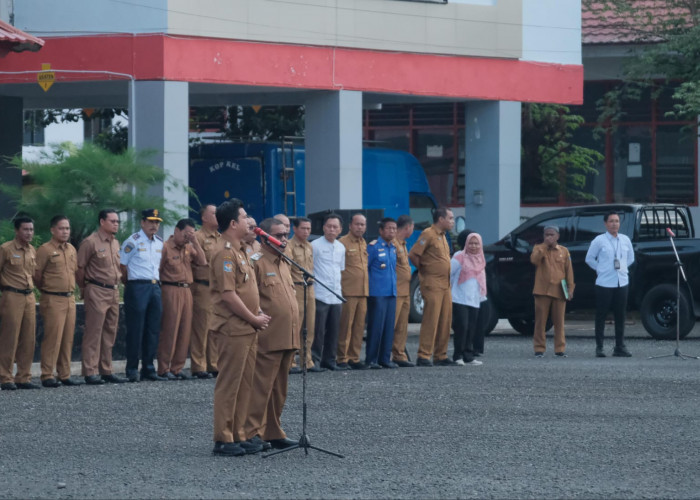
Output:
x,y
266,224
607,216
332,215
203,208
23,219
104,213
56,219
440,212
385,221
403,221
352,217
462,238
298,220
183,223
228,211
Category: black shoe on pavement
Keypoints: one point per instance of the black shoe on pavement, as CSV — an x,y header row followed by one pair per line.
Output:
x,y
282,444
27,385
228,449
8,386
621,352
250,447
405,364
390,364
561,354
317,369
71,382
342,366
182,376
424,362
446,362
94,380
113,379
132,377
258,440
295,370
374,366
168,376
599,353
358,366
152,376
539,355
203,375
214,373
50,382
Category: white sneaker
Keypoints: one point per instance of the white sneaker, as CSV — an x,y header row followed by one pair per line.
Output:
x,y
473,362
460,362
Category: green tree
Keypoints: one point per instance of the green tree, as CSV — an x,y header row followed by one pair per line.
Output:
x,y
269,122
80,181
550,162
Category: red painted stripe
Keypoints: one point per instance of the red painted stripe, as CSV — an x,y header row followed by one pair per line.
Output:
x,y
161,57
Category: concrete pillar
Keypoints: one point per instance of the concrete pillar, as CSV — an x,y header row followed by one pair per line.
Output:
x,y
492,188
160,121
333,151
11,132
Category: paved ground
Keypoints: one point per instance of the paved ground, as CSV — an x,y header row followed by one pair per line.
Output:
x,y
516,427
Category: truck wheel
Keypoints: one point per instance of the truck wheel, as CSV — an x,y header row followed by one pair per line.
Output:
x,y
526,326
488,316
658,312
416,313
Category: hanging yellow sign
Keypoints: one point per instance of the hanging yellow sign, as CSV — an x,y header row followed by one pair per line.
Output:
x,y
46,77
256,108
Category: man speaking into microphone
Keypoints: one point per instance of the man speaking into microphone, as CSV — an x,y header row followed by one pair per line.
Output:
x,y
270,238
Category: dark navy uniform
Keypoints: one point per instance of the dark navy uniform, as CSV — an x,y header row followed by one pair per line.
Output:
x,y
381,305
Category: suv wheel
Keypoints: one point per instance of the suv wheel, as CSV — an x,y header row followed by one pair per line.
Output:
x,y
658,313
526,326
416,313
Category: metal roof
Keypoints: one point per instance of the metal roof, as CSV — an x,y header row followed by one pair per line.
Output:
x,y
17,40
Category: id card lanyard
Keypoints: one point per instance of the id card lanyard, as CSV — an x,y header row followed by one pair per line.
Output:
x,y
616,261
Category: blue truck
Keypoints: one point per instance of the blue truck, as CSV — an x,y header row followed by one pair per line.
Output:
x,y
269,178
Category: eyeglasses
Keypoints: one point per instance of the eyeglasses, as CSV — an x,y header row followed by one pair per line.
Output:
x,y
113,221
279,236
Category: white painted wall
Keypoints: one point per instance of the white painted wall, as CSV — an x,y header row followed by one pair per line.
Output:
x,y
552,31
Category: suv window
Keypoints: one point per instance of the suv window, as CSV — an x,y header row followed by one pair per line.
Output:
x,y
533,234
653,222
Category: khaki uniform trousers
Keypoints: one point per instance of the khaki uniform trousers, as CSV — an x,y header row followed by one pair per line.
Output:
x,y
544,305
58,314
398,349
175,328
202,351
101,321
233,385
310,320
17,336
352,329
269,395
436,324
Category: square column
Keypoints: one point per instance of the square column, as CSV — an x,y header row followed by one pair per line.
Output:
x,y
11,134
492,187
333,151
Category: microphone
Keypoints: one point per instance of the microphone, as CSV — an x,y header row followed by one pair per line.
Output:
x,y
268,238
670,233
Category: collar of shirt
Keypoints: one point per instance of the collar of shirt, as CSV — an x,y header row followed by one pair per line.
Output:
x,y
383,242
210,234
104,235
58,246
439,231
19,246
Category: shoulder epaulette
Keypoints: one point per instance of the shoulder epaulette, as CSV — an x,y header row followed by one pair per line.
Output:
x,y
159,238
373,242
135,236
227,245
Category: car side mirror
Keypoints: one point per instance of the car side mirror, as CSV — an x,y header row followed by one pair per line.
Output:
x,y
509,241
460,224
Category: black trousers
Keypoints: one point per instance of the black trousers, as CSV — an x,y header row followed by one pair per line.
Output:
x,y
605,300
325,345
465,323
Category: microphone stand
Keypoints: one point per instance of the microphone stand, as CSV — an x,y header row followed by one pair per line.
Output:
x,y
304,441
679,272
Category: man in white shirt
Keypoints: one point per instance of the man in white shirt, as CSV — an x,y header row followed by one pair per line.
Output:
x,y
610,256
329,261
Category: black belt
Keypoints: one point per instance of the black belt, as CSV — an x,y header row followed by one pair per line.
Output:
x,y
60,294
301,283
103,285
202,282
17,290
149,282
175,283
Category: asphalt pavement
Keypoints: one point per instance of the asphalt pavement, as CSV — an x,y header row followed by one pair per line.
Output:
x,y
516,427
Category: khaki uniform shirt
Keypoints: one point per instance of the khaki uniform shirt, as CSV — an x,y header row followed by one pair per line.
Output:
x,y
207,240
552,266
278,299
99,256
355,279
303,254
434,253
231,270
17,264
403,269
57,263
176,262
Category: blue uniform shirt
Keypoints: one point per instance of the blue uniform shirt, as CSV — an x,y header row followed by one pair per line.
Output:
x,y
381,262
141,256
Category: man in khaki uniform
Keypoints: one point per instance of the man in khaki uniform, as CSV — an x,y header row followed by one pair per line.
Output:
x,y
17,308
355,282
202,351
276,345
252,246
236,319
56,264
179,252
553,265
431,255
403,291
98,278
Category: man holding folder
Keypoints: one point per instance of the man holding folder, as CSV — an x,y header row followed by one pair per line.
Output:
x,y
554,285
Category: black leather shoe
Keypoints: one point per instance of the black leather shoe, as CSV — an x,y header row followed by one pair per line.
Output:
x,y
168,376
250,447
561,354
329,366
405,364
281,444
27,385
342,366
113,379
258,440
94,380
317,369
446,362
423,362
182,376
599,353
132,377
228,449
621,352
294,370
50,382
71,382
203,375
357,366
214,374
374,366
390,364
152,376
8,386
